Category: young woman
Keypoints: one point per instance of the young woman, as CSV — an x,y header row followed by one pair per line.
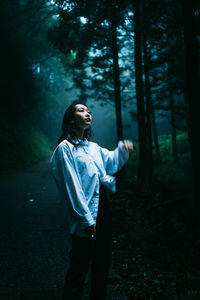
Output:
x,y
83,171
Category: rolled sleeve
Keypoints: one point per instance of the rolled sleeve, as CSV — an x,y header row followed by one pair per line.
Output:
x,y
70,184
123,155
116,159
86,221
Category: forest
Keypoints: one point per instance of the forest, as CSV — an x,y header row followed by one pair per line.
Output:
x,y
136,65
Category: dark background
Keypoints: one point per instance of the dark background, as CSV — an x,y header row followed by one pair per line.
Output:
x,y
136,65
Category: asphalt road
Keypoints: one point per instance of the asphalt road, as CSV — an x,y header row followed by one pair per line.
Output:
x,y
34,243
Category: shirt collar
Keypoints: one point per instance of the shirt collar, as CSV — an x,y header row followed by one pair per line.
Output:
x,y
84,142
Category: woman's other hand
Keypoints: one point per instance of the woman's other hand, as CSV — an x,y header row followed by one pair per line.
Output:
x,y
128,145
91,229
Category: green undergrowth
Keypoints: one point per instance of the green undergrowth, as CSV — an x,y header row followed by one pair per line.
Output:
x,y
155,249
23,145
166,169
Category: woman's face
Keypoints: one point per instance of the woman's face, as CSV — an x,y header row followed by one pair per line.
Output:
x,y
82,116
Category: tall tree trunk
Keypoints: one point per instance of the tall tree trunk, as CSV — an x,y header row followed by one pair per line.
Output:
x,y
155,137
116,78
187,114
173,129
116,73
148,110
193,96
170,78
143,161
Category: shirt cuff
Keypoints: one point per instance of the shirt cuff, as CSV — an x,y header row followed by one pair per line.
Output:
x,y
109,182
87,220
123,153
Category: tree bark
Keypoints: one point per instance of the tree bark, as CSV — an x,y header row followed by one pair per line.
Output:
x,y
142,135
148,110
116,74
173,129
193,96
155,137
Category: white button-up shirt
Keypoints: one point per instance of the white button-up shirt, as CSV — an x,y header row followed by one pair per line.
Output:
x,y
77,171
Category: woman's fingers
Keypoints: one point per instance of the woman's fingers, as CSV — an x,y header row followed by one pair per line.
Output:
x,y
128,145
125,145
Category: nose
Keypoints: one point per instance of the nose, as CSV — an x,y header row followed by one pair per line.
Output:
x,y
87,115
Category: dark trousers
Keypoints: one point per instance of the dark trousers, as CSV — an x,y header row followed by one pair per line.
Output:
x,y
95,251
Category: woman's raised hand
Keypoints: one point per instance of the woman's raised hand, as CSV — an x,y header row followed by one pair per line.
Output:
x,y
128,145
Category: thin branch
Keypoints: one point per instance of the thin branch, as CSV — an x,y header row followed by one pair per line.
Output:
x,y
37,9
129,35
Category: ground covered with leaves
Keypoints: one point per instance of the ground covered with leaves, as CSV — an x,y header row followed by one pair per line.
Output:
x,y
155,246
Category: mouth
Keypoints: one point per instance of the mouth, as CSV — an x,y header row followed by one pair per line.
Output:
x,y
88,119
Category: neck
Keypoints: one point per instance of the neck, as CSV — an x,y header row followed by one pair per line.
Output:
x,y
80,133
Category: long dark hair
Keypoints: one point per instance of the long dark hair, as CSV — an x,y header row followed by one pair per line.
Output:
x,y
68,126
